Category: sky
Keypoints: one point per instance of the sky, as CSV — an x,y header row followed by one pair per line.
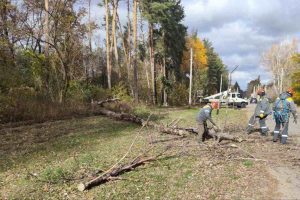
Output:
x,y
240,30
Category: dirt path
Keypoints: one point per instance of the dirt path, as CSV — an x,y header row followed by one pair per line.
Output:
x,y
284,160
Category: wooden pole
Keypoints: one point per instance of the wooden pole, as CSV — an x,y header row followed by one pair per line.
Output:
x,y
219,105
191,77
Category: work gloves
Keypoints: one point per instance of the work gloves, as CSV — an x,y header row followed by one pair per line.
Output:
x,y
261,116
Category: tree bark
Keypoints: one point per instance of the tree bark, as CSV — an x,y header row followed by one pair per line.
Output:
x,y
135,70
47,28
108,49
114,36
165,76
129,48
152,64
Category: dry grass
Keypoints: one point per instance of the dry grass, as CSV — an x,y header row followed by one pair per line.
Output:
x,y
48,160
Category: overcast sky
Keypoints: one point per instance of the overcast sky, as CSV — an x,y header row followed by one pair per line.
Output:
x,y
239,29
242,29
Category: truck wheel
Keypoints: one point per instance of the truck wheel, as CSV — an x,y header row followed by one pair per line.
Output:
x,y
243,105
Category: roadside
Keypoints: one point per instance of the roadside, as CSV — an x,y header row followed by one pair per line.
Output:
x,y
284,160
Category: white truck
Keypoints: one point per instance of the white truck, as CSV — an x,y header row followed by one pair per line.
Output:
x,y
228,98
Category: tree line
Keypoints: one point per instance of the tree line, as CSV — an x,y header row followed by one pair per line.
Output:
x,y
50,56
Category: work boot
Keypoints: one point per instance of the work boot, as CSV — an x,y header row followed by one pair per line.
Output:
x,y
275,137
248,130
283,140
265,134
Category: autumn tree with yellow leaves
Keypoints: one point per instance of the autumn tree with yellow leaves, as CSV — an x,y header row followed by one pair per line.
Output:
x,y
296,78
199,62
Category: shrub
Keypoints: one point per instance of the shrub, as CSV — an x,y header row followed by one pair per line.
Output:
x,y
179,95
120,91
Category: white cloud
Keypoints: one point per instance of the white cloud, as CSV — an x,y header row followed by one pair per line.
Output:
x,y
242,30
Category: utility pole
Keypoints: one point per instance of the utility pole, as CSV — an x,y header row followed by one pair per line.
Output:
x,y
191,77
230,75
221,97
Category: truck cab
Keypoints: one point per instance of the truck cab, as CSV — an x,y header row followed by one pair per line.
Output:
x,y
228,98
235,99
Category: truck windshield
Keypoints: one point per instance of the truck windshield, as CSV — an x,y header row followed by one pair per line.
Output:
x,y
236,95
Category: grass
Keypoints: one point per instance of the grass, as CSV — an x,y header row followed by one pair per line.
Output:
x,y
248,163
49,160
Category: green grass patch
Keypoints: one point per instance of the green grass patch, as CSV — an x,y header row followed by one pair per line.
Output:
x,y
54,174
248,163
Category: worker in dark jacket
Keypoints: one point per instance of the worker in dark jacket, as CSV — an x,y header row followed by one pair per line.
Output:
x,y
202,117
262,110
283,107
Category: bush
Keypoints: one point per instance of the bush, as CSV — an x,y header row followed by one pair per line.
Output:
x,y
120,91
82,92
179,95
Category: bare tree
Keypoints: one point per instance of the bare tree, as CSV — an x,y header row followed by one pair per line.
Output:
x,y
47,28
278,61
135,72
152,63
108,49
114,35
129,46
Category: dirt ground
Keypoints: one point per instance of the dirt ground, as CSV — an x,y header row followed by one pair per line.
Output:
x,y
284,160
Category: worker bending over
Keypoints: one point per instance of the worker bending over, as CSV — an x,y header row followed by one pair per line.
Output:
x,y
202,117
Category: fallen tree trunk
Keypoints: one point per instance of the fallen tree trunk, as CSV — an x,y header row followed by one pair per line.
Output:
x,y
101,103
180,131
115,172
122,116
140,121
224,136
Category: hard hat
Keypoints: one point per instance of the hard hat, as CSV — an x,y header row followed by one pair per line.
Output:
x,y
261,92
291,91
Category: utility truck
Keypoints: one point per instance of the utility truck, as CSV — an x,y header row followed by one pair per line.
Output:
x,y
233,99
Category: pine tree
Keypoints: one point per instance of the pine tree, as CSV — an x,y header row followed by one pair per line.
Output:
x,y
215,69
